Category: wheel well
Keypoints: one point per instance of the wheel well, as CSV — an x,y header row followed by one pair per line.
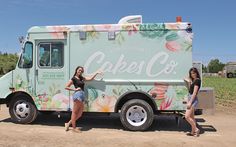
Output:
x,y
135,95
15,94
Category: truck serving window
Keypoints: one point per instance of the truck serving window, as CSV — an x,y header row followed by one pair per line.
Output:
x,y
51,55
26,58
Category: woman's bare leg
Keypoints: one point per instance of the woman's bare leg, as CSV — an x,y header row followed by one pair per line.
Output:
x,y
192,116
191,121
74,114
80,110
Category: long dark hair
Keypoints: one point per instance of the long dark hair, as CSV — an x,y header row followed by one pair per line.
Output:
x,y
80,76
193,69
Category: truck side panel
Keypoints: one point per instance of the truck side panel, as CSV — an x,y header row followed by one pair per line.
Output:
x,y
152,61
138,58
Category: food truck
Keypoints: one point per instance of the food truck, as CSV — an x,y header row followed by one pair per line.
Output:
x,y
230,70
143,69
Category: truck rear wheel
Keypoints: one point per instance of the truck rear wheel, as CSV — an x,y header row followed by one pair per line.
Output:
x,y
230,75
22,110
136,115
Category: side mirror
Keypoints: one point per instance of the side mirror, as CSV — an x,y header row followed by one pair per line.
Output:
x,y
21,40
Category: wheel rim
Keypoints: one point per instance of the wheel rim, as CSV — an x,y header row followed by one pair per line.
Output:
x,y
136,115
22,109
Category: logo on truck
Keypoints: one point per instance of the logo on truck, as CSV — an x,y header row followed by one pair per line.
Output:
x,y
122,66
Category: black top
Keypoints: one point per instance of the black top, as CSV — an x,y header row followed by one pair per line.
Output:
x,y
197,82
78,82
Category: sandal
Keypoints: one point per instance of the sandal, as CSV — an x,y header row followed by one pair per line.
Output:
x,y
196,133
67,127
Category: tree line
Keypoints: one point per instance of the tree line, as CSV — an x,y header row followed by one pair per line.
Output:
x,y
214,66
7,62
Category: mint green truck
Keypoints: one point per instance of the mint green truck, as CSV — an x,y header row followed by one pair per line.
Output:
x,y
144,65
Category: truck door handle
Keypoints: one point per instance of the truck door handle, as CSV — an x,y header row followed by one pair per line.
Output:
x,y
36,72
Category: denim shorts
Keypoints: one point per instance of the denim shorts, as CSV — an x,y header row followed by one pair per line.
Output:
x,y
79,95
195,101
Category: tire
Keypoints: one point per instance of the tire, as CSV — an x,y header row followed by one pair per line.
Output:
x,y
198,112
143,115
22,110
230,75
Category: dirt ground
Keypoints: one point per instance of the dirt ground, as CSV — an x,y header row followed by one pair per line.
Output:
x,y
216,130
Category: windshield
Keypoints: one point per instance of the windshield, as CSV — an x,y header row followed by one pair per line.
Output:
x,y
26,59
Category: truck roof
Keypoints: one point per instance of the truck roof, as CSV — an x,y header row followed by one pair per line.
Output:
x,y
111,27
231,63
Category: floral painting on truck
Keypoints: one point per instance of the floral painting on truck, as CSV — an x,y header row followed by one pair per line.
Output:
x,y
143,68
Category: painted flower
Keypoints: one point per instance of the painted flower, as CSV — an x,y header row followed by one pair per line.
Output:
x,y
56,105
173,46
44,106
172,26
132,29
62,99
104,104
165,104
57,31
159,91
43,97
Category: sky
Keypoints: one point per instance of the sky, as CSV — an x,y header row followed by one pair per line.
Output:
x,y
213,21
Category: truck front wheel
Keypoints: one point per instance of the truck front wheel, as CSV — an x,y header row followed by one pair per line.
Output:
x,y
22,110
136,115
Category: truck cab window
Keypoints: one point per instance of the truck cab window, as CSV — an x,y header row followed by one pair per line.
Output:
x,y
26,59
51,55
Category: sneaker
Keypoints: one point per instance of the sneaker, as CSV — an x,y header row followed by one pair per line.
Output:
x,y
67,127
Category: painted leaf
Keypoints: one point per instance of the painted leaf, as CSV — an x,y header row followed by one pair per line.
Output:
x,y
172,37
92,93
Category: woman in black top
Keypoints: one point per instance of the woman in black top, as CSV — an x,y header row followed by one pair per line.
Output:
x,y
78,97
194,84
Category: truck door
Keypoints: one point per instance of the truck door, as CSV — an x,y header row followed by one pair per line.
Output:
x,y
51,75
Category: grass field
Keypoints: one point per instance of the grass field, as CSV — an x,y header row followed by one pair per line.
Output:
x,y
225,90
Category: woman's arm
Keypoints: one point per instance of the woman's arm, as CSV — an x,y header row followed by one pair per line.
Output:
x,y
188,82
92,77
68,86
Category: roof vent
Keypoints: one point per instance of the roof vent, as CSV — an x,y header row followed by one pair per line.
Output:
x,y
131,19
178,19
